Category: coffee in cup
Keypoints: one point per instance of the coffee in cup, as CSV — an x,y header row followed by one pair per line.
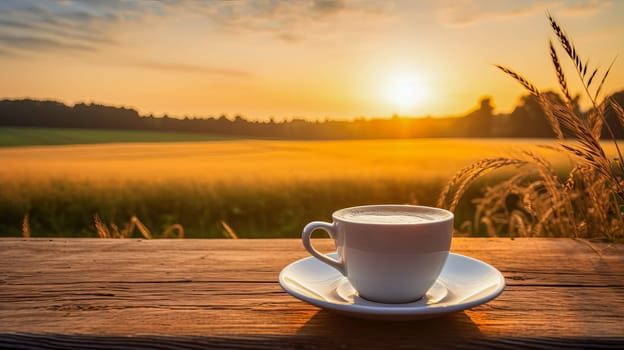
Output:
x,y
389,253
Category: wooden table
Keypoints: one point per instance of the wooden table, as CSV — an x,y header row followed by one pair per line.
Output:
x,y
195,294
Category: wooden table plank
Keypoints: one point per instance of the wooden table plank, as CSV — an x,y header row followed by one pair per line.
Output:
x,y
224,293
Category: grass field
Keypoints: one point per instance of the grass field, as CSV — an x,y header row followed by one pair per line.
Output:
x,y
260,188
12,137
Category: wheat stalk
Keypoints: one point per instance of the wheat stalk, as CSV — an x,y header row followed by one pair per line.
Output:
x,y
230,232
516,223
588,146
519,78
563,85
552,185
596,120
568,47
101,228
139,225
462,179
26,227
604,78
581,70
174,227
618,110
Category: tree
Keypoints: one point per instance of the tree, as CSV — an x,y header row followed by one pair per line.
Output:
x,y
477,123
528,118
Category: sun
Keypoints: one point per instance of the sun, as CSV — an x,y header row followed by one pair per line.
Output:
x,y
404,91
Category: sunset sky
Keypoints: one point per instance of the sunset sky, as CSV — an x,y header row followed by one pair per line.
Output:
x,y
316,59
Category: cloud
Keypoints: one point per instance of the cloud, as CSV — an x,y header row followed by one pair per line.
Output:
x,y
47,32
87,28
290,37
468,12
329,6
48,25
191,69
584,7
38,43
289,21
86,23
8,53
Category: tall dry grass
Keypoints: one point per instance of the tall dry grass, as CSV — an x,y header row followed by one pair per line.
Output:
x,y
134,224
589,201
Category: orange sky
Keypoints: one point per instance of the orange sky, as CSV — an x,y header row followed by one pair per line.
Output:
x,y
316,59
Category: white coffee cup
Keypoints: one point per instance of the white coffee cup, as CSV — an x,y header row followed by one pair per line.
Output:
x,y
389,253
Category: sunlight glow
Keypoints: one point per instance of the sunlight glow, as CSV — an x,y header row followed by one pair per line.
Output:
x,y
404,91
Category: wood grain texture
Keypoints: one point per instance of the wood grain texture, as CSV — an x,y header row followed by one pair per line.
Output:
x,y
192,294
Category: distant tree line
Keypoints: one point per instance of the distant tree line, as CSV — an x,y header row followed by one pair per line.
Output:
x,y
526,120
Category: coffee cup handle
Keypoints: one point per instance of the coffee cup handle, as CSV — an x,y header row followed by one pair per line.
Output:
x,y
307,235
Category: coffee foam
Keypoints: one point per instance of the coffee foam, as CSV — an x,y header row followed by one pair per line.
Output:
x,y
391,217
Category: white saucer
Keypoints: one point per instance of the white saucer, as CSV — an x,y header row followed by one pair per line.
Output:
x,y
464,283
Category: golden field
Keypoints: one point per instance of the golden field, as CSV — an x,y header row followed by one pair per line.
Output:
x,y
256,161
258,187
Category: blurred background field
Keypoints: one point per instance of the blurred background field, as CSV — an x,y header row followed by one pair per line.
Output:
x,y
20,136
259,188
